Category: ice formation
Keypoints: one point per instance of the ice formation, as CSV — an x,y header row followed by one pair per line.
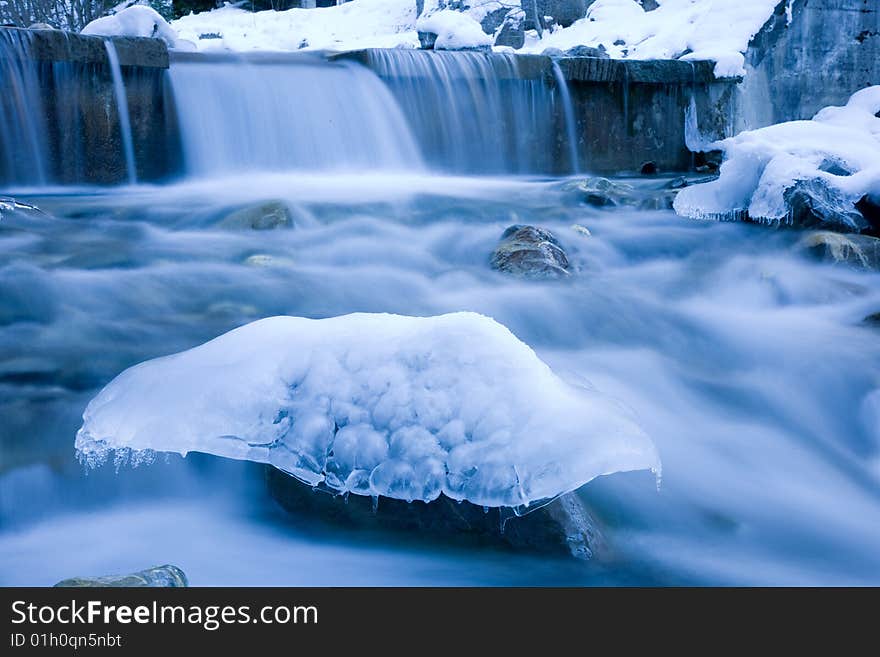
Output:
x,y
373,404
135,21
839,146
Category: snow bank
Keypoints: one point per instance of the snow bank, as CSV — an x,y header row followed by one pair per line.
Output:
x,y
717,30
454,30
136,21
353,25
403,407
839,146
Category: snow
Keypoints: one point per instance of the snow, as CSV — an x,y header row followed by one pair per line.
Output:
x,y
350,26
718,30
136,21
454,30
760,165
373,404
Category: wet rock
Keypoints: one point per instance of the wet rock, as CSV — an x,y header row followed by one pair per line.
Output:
x,y
10,206
873,320
648,169
814,204
869,207
264,216
530,252
157,576
562,527
862,251
512,33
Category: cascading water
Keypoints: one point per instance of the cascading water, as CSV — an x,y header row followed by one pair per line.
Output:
x,y
122,110
477,112
568,113
286,113
23,148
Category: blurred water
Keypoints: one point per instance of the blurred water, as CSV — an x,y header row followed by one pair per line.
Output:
x,y
747,363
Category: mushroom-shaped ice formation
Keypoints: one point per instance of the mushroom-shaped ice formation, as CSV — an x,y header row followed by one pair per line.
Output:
x,y
374,404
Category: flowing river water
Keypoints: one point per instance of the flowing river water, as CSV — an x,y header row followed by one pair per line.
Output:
x,y
749,364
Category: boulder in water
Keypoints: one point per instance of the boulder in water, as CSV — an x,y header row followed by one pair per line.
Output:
x,y
264,216
605,193
530,252
862,251
563,527
166,576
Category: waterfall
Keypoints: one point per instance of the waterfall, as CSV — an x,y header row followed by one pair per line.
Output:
x,y
569,116
122,110
23,144
286,112
475,112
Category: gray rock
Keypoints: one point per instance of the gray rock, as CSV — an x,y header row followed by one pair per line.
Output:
x,y
512,32
157,576
494,19
264,216
530,252
588,51
563,12
814,204
862,251
562,527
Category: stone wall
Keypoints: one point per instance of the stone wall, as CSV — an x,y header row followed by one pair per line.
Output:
x,y
80,126
829,49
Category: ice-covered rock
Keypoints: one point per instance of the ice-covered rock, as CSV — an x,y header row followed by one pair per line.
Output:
x,y
158,576
135,21
838,150
262,216
378,405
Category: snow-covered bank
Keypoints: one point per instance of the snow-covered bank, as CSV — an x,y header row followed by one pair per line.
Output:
x,y
839,147
706,29
402,407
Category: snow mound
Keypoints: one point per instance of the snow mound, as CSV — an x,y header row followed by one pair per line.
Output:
x,y
454,30
840,146
372,404
716,30
135,21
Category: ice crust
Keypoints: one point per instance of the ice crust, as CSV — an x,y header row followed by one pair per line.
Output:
x,y
373,404
840,146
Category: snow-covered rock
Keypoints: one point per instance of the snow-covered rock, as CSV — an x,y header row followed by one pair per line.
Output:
x,y
716,30
379,405
135,21
839,149
454,30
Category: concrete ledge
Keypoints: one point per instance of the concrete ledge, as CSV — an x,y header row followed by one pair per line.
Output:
x,y
59,46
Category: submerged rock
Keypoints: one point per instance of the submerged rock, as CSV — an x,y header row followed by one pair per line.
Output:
x,y
605,193
264,216
563,527
873,320
530,252
861,251
814,204
158,576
